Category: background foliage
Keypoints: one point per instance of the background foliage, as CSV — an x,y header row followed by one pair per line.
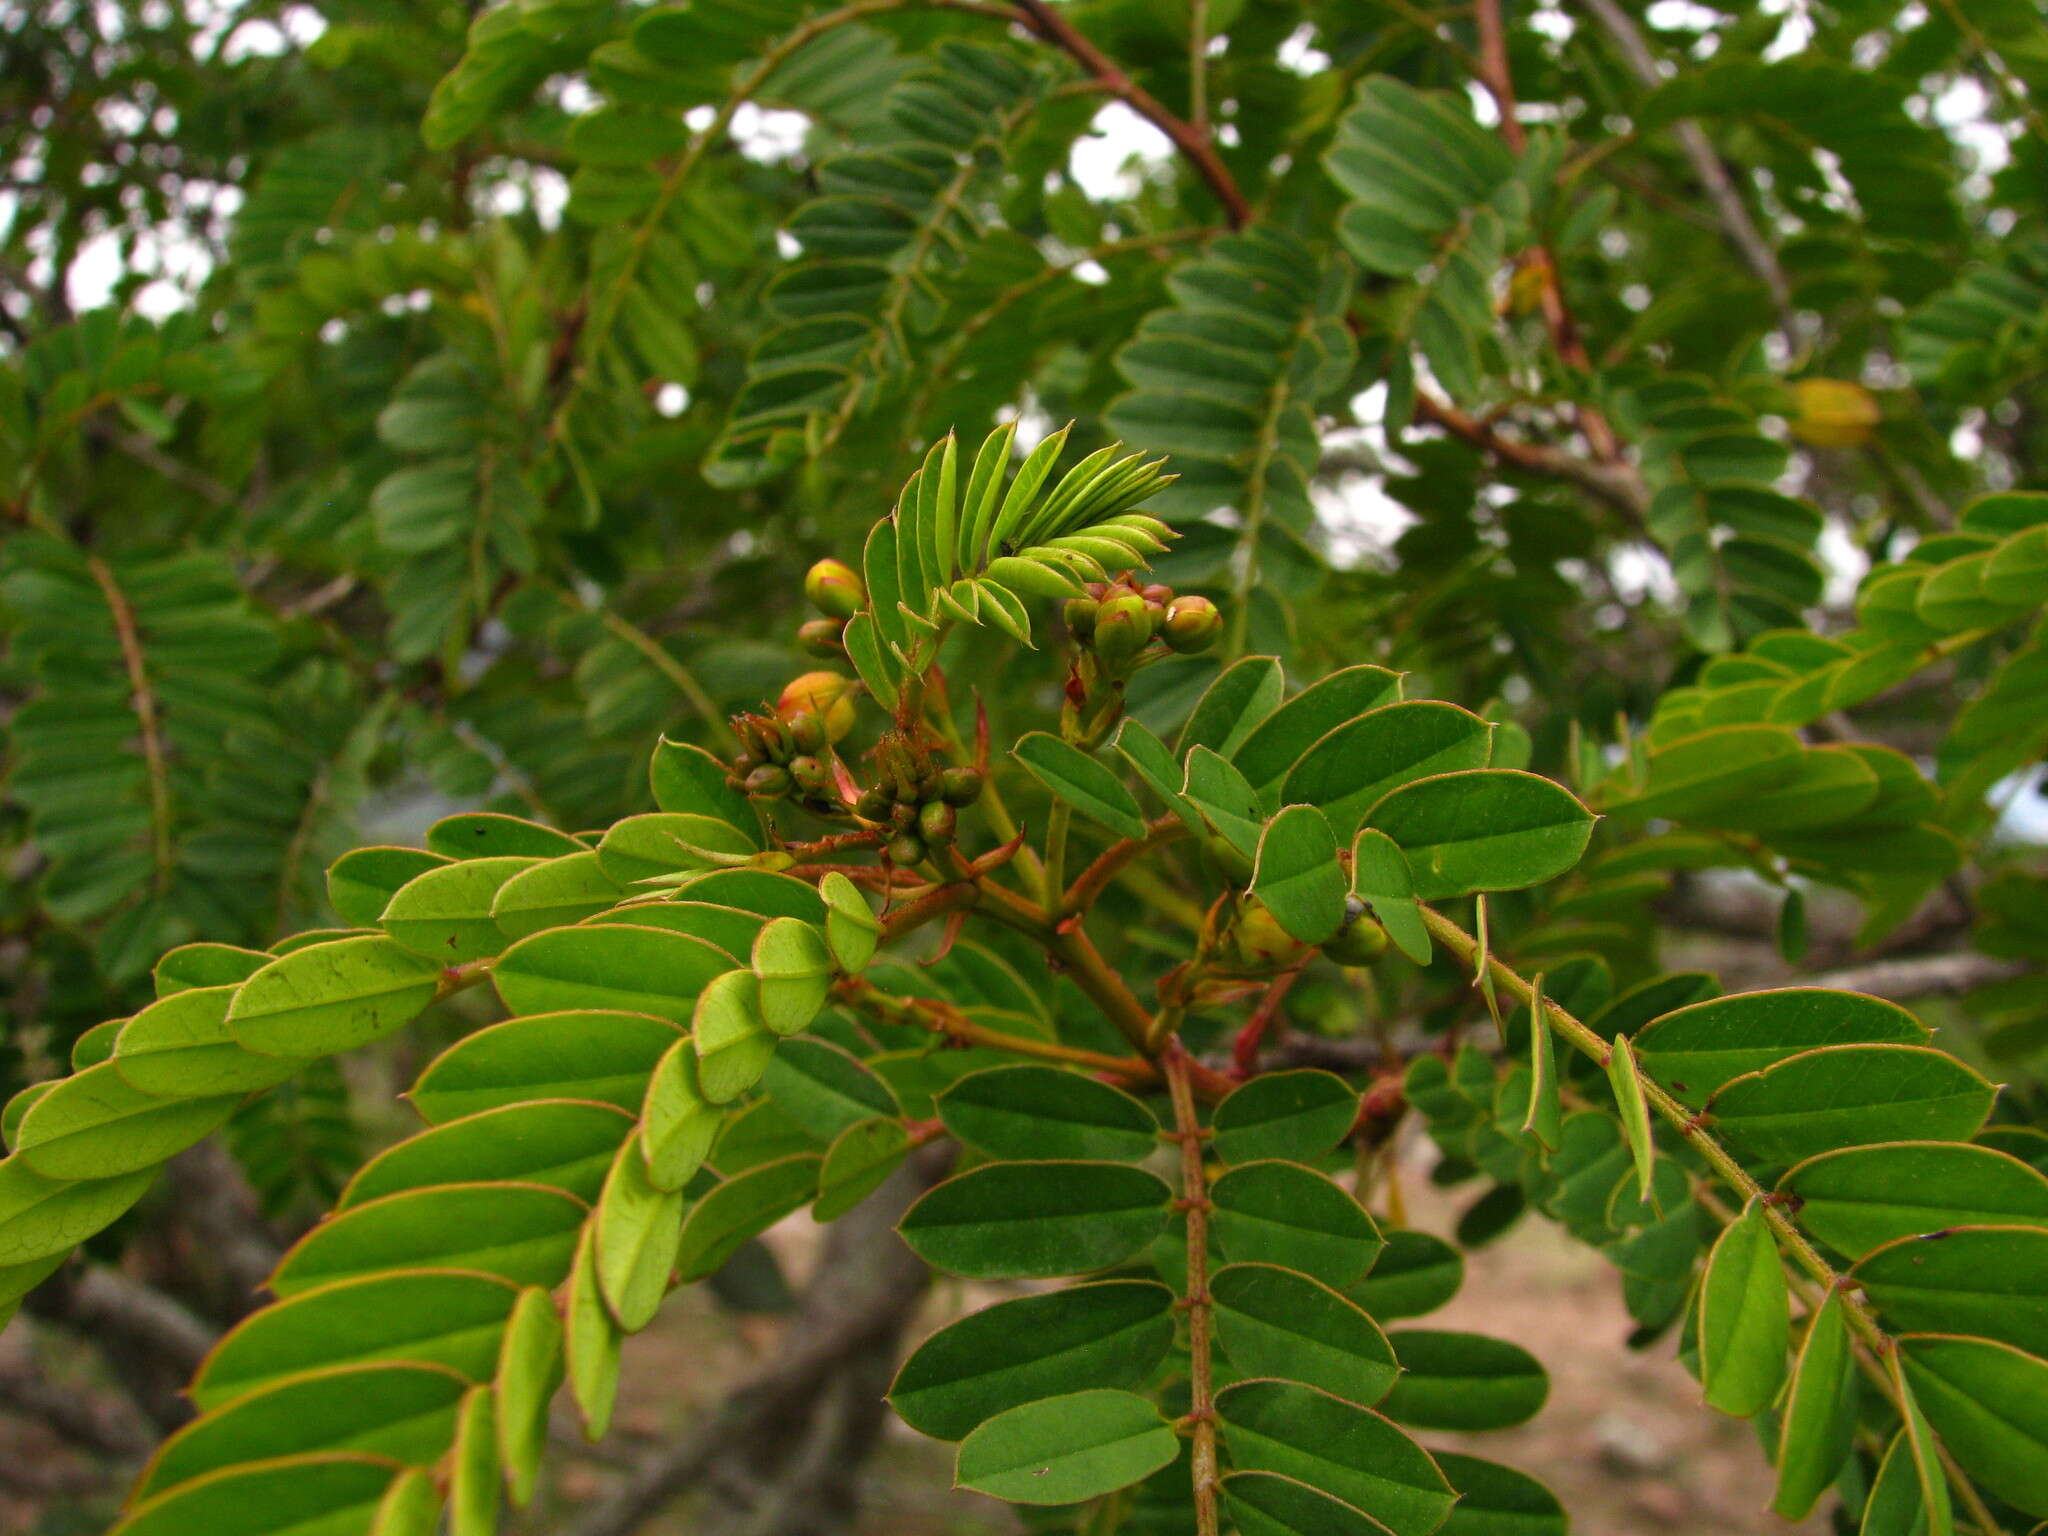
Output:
x,y
405,410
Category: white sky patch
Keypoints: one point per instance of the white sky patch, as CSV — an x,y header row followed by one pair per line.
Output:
x,y
1844,562
766,136
672,399
1120,149
1298,53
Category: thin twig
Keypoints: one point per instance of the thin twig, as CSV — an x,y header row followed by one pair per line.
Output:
x,y
1187,1130
142,699
1050,23
1730,209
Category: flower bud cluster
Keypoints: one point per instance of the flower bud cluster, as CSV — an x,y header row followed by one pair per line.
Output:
x,y
916,800
1118,620
789,753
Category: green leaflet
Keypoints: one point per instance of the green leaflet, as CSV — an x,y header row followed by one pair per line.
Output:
x,y
740,1208
794,971
182,1046
1112,1334
1848,1095
1297,875
489,835
1694,1050
1379,875
1745,1317
1031,1111
445,913
1061,1450
1635,1112
524,1233
1856,1199
1413,1275
473,1482
553,893
591,1054
732,1042
1819,1415
437,1317
660,843
396,1409
205,965
1988,1281
1277,1322
1281,740
1350,1452
860,1158
1037,1219
1267,1504
851,928
338,1492
1287,1214
42,1218
1492,829
332,997
1295,1115
529,1373
1226,802
362,882
1242,695
1493,1499
638,970
1922,1451
1701,774
1897,1505
1073,776
825,1087
689,781
678,1123
566,1144
1353,767
1989,1403
95,1126
591,1342
1463,1381
637,1228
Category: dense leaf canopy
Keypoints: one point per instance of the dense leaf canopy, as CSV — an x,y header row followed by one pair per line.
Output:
x,y
1214,589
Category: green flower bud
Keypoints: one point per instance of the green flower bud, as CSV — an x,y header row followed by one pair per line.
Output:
x,y
960,786
937,823
1192,624
903,815
834,589
811,775
768,782
1123,627
807,733
822,637
1080,616
1258,942
873,806
906,848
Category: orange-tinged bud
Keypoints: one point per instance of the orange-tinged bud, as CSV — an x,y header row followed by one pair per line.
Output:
x,y
824,694
834,589
1192,624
